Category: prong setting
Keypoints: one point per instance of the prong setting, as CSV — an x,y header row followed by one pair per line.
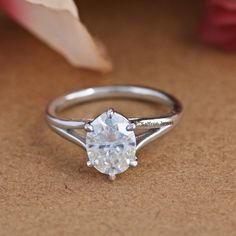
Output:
x,y
88,127
110,112
112,177
131,127
134,163
89,163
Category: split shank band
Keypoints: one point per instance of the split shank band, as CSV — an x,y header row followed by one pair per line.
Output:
x,y
154,127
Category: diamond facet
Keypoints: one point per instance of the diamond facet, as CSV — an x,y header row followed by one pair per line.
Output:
x,y
111,147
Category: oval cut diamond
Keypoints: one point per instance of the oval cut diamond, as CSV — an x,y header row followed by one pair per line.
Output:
x,y
110,147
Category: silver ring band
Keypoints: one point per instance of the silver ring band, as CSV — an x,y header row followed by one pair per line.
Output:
x,y
155,126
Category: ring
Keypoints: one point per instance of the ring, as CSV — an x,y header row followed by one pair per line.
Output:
x,y
111,139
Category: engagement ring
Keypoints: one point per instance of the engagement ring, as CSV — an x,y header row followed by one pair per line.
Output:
x,y
110,139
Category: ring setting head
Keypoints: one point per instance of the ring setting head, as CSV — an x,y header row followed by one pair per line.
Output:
x,y
111,143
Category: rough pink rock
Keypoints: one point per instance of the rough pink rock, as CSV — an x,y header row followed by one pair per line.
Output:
x,y
57,23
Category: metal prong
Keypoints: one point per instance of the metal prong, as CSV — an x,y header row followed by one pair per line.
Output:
x,y
130,127
110,112
88,127
112,177
134,163
89,163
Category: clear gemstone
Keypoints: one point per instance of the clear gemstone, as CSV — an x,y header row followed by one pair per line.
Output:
x,y
110,147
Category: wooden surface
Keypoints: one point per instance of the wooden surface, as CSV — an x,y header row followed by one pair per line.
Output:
x,y
186,181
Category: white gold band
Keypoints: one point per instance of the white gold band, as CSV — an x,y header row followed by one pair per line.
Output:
x,y
161,124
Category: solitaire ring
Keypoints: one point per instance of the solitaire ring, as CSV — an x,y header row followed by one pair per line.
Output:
x,y
111,139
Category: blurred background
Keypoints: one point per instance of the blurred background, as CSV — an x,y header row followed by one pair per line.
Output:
x,y
185,183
